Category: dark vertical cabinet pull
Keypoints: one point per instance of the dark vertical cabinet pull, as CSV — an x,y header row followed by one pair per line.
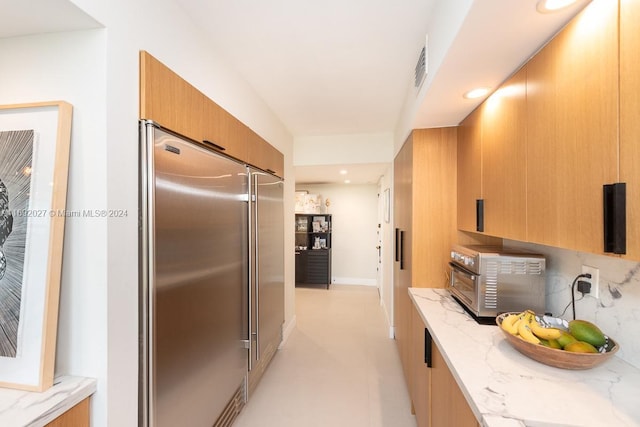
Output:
x,y
427,348
401,250
615,217
480,215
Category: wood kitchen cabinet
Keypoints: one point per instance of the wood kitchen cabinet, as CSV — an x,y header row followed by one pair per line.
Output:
x,y
491,163
436,397
629,122
469,164
421,374
264,156
449,407
572,116
225,131
173,103
424,219
77,416
169,100
504,159
545,153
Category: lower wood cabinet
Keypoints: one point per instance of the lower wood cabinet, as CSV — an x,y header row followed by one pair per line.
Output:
x,y
421,373
435,396
78,416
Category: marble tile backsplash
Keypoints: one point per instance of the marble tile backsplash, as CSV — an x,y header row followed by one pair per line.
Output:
x,y
616,311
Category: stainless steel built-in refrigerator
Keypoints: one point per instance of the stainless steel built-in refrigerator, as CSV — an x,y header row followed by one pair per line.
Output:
x,y
201,231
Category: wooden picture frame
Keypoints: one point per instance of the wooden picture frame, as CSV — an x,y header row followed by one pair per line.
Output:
x,y
34,160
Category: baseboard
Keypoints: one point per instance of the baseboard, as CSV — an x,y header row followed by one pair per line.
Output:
x,y
287,329
353,281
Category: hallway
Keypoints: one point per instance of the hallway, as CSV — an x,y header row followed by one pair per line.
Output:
x,y
338,367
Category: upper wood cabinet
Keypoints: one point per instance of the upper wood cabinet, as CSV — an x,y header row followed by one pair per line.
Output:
x,y
629,119
263,155
504,159
169,100
469,171
174,104
225,131
572,117
549,138
492,162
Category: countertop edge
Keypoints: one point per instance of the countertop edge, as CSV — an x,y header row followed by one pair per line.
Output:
x,y
35,409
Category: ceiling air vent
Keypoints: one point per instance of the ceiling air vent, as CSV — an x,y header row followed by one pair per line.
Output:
x,y
421,67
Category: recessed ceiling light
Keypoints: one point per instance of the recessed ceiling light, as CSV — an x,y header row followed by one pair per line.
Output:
x,y
476,93
343,172
550,6
347,181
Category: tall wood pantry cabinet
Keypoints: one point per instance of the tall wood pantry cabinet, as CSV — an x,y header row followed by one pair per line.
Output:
x,y
424,221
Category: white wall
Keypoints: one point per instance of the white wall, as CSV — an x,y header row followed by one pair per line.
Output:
x,y
71,67
339,149
354,210
97,72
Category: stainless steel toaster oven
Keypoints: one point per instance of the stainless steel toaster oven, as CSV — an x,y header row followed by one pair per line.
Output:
x,y
489,280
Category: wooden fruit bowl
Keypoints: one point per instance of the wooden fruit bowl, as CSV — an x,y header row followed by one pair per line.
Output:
x,y
558,358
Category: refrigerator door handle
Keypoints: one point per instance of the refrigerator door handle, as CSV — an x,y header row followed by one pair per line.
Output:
x,y
250,273
256,275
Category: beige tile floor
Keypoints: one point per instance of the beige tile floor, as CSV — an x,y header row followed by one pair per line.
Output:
x,y
338,367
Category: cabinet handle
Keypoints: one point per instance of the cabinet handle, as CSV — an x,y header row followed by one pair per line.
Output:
x,y
401,250
480,215
615,217
214,145
428,342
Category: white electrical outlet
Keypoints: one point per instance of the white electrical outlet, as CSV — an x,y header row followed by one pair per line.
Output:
x,y
595,280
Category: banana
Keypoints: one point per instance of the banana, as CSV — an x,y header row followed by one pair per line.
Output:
x,y
509,323
524,330
542,332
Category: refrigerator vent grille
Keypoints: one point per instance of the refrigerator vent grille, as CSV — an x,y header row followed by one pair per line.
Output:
x,y
232,409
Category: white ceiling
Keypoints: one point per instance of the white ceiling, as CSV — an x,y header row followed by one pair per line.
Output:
x,y
346,66
26,17
363,173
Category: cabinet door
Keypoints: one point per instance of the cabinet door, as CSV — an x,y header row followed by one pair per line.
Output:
x,y
225,131
77,416
433,201
572,106
402,269
629,122
449,407
264,155
301,266
169,100
421,374
469,169
504,161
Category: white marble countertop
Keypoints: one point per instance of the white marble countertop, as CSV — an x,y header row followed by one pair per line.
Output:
x,y
507,389
27,408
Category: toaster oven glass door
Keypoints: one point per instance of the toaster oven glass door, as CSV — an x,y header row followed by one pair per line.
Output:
x,y
463,284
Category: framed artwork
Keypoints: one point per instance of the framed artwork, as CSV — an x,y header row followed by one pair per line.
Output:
x,y
34,159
